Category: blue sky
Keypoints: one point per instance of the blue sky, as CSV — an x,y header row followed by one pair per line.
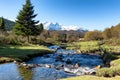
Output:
x,y
88,14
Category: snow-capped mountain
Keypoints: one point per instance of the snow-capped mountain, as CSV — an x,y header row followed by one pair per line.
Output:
x,y
57,26
52,26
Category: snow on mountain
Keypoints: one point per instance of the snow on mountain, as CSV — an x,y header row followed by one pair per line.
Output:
x,y
57,26
71,28
52,26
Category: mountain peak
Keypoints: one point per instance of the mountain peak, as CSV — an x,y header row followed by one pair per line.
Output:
x,y
57,26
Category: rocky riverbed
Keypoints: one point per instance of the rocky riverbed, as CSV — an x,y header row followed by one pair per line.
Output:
x,y
63,63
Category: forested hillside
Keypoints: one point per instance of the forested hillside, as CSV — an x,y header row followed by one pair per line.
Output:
x,y
8,24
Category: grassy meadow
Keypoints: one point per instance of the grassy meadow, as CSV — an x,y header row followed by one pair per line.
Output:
x,y
87,46
92,78
20,53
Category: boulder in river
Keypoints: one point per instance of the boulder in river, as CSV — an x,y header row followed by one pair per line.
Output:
x,y
23,64
47,66
70,69
79,51
77,65
98,67
68,61
59,67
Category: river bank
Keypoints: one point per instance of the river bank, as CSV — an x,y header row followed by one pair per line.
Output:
x,y
62,64
111,73
22,53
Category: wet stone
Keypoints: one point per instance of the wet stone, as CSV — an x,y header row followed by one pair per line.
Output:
x,y
68,61
48,66
77,65
59,67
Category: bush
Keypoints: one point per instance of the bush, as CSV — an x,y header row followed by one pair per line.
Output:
x,y
113,41
93,35
106,72
115,62
11,40
2,38
114,70
108,56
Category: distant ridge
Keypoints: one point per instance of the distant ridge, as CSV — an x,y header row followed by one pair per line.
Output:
x,y
47,25
9,24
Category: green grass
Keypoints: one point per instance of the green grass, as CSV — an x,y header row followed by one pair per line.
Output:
x,y
83,45
115,63
23,52
92,45
92,78
112,71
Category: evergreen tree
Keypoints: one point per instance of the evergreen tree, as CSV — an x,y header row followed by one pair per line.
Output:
x,y
2,23
39,29
25,25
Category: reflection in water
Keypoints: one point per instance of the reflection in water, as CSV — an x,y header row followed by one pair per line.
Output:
x,y
9,72
26,73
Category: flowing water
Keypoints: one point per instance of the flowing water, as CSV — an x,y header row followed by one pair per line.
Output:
x,y
62,64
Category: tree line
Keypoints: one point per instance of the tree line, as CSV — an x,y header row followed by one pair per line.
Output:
x,y
109,33
61,36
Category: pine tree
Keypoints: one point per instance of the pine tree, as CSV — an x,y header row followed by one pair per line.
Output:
x,y
39,28
25,25
2,23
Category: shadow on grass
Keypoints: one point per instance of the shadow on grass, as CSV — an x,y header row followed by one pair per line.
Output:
x,y
23,53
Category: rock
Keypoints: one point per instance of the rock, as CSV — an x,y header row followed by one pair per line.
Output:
x,y
39,65
79,73
47,66
23,64
15,62
79,51
98,67
70,69
70,66
77,65
92,73
31,65
68,61
59,67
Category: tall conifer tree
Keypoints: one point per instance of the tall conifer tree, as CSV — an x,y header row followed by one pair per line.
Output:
x,y
25,23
